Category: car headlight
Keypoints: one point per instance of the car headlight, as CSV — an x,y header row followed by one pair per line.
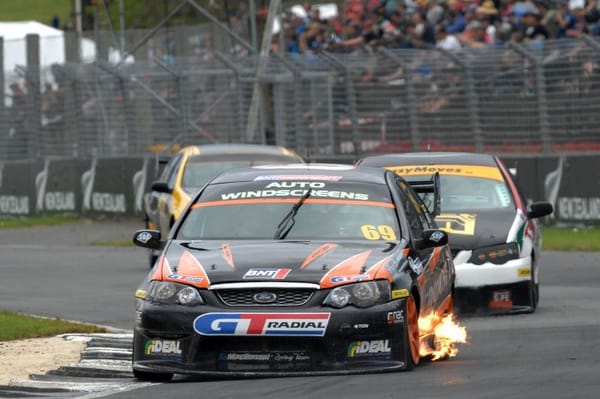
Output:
x,y
361,295
173,293
497,254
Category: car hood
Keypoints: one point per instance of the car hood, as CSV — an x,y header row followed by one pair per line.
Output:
x,y
477,229
204,263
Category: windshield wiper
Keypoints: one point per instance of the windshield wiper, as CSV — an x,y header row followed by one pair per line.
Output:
x,y
286,224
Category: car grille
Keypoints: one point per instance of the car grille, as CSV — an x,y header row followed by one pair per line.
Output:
x,y
284,297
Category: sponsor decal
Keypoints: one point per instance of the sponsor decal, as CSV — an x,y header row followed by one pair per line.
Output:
x,y
439,288
379,347
395,317
415,264
250,357
193,279
14,205
273,274
109,202
349,279
59,201
436,236
297,177
501,300
457,223
162,347
360,326
397,294
296,184
243,324
140,294
579,208
486,172
144,237
295,193
524,272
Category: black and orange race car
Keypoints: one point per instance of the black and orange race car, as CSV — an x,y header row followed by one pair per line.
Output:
x,y
295,269
493,232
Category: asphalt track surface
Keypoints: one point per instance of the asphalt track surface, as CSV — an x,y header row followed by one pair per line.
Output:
x,y
553,353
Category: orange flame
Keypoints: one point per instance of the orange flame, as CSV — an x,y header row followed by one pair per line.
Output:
x,y
439,336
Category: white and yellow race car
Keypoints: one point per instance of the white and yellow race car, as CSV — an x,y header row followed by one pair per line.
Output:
x,y
494,237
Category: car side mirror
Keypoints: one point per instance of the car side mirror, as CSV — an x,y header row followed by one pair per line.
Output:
x,y
432,238
161,187
148,239
539,209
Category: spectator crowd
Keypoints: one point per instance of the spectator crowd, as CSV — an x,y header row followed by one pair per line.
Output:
x,y
446,24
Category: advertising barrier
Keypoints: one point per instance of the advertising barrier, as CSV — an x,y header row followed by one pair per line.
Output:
x,y
101,187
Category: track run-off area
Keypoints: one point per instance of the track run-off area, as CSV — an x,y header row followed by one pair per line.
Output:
x,y
553,353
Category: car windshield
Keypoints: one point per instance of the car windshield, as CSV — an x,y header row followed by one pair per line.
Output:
x,y
199,171
468,193
262,210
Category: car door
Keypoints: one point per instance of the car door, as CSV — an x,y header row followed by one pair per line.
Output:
x,y
435,274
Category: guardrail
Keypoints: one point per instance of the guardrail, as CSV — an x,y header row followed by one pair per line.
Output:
x,y
118,186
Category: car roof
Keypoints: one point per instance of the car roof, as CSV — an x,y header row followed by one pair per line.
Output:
x,y
216,149
313,171
429,158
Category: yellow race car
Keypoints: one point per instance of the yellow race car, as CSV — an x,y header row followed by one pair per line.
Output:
x,y
192,167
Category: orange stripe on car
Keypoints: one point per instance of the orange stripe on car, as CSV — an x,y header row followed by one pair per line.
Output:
x,y
379,271
191,271
349,267
226,249
158,272
291,201
322,250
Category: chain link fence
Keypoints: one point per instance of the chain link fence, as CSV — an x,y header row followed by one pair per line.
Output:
x,y
542,97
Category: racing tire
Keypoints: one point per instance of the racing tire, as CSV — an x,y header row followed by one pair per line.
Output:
x,y
152,377
413,341
534,292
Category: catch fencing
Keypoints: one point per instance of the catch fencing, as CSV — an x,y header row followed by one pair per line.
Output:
x,y
542,97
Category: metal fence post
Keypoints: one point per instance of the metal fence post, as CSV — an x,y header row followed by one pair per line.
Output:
x,y
542,99
3,113
240,97
472,95
413,118
350,97
32,120
300,138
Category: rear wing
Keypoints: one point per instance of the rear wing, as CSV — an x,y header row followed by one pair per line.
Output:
x,y
429,191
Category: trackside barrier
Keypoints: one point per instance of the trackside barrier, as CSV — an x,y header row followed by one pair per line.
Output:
x,y
117,186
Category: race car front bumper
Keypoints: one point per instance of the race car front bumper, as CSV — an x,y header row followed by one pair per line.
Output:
x,y
469,275
166,340
493,288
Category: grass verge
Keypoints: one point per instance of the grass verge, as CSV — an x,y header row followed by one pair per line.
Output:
x,y
36,10
38,221
571,239
20,326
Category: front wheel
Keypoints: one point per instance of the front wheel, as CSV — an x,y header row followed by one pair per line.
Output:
x,y
412,334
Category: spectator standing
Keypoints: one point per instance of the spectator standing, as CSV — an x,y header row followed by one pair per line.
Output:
x,y
566,20
532,29
446,41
